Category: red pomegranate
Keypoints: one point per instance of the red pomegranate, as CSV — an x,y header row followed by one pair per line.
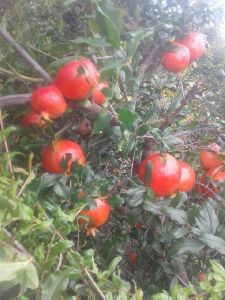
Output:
x,y
166,172
48,101
54,153
76,79
195,42
175,57
97,96
187,178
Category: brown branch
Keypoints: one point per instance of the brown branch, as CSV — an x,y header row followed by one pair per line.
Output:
x,y
181,271
20,76
188,98
7,38
95,286
13,100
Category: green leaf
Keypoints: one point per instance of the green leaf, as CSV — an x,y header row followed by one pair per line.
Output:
x,y
177,215
162,296
61,247
135,40
127,117
115,201
54,284
135,195
107,23
148,173
93,42
142,129
128,146
207,220
185,246
152,207
218,268
113,265
101,122
213,242
68,2
109,68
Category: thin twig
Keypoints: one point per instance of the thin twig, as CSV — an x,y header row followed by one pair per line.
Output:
x,y
20,76
12,100
7,37
188,98
182,273
94,284
6,146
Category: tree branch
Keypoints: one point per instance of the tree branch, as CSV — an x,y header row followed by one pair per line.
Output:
x,y
182,273
13,100
188,98
7,38
20,76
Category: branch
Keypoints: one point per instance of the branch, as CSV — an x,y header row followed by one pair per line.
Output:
x,y
13,100
7,38
147,62
188,98
20,76
182,273
94,284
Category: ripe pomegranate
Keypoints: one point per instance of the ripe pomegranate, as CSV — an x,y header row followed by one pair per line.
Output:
x,y
201,277
48,101
97,95
195,42
97,216
210,159
132,257
176,57
215,175
32,118
187,178
54,153
76,79
166,172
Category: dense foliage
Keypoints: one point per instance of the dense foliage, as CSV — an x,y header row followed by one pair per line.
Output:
x,y
151,246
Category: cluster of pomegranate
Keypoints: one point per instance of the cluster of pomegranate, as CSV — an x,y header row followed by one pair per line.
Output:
x,y
179,54
168,175
213,164
75,81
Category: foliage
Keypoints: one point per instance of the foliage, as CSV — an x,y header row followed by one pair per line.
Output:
x,y
44,252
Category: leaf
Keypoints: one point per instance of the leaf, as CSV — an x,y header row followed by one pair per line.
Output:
x,y
93,42
185,246
127,117
101,122
113,265
142,129
107,24
153,208
213,242
109,68
135,40
61,246
218,268
54,284
178,215
128,146
68,2
162,296
207,221
135,196
148,173
115,201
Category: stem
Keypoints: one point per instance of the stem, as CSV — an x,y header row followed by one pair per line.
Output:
x,y
182,273
20,76
12,100
7,37
6,146
94,284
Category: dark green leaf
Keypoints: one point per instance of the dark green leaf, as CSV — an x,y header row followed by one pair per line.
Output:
x,y
54,284
135,196
128,146
95,42
115,201
186,246
148,173
110,67
135,40
107,27
213,242
101,122
207,220
177,215
142,129
127,117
